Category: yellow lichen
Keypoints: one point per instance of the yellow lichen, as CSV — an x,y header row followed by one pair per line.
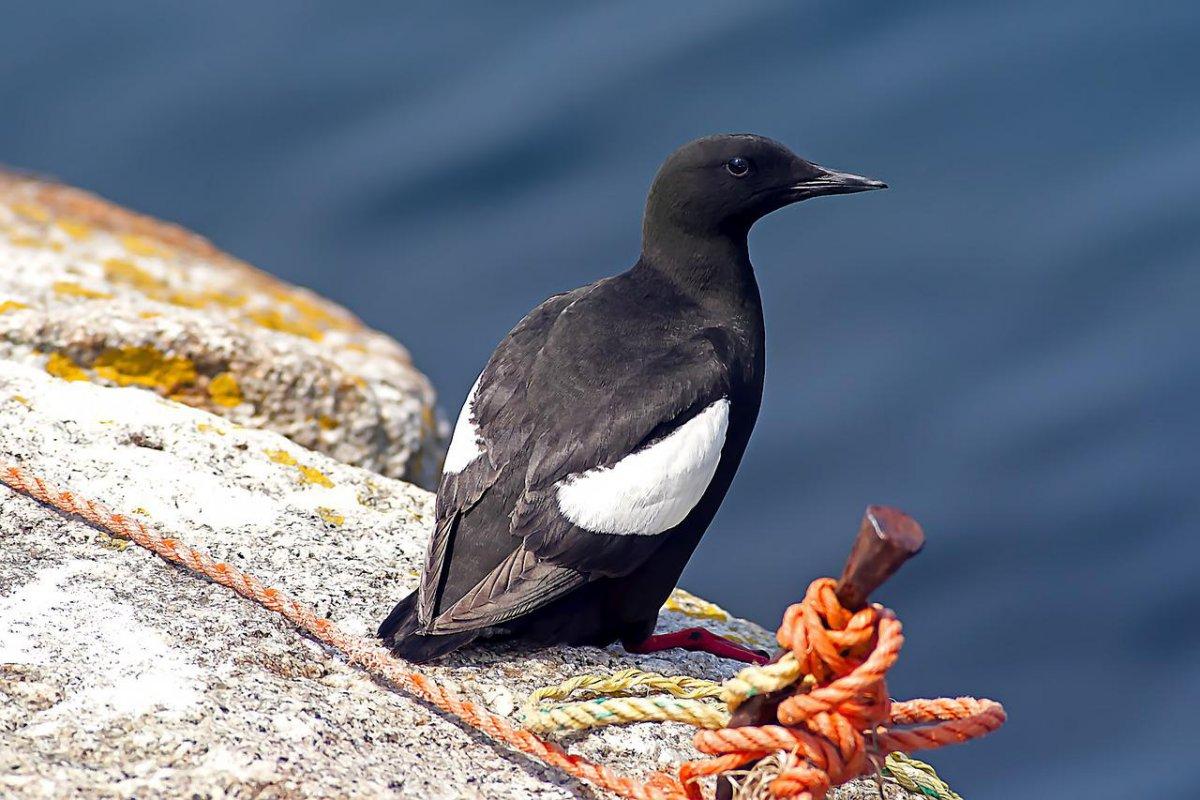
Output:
x,y
356,347
330,516
225,299
75,290
25,240
141,246
326,422
204,427
111,542
11,305
307,474
313,311
120,270
74,228
186,299
30,211
23,400
148,314
276,321
145,366
281,457
688,604
61,366
224,390
311,475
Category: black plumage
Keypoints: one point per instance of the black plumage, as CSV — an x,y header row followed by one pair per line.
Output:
x,y
673,345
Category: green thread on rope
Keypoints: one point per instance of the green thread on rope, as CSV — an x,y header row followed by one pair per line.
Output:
x,y
917,776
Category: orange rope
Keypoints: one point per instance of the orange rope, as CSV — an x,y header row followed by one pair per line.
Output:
x,y
849,654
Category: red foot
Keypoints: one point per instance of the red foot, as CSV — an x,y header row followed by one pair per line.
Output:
x,y
699,640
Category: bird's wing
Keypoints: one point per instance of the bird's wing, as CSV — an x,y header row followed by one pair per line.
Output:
x,y
600,495
518,585
600,499
478,453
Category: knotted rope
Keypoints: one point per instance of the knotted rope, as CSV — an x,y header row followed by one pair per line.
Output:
x,y
618,699
834,721
824,726
842,723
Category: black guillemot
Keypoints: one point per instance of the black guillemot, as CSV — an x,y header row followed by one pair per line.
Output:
x,y
598,442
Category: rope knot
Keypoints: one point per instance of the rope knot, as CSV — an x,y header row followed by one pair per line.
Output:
x,y
843,657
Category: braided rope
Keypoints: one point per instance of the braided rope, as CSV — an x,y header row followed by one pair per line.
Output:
x,y
847,655
614,705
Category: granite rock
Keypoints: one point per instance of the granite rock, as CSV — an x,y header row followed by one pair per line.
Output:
x,y
91,291
124,677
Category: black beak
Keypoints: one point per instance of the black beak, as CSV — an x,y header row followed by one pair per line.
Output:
x,y
833,182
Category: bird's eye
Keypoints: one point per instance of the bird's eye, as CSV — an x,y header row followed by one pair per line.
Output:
x,y
738,167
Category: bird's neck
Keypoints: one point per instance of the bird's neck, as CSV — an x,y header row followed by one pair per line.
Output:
x,y
703,265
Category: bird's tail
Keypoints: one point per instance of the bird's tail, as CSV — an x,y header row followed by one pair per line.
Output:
x,y
399,632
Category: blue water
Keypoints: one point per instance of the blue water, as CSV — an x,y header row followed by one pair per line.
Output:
x,y
1005,343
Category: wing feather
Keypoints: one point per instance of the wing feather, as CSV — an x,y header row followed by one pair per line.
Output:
x,y
517,586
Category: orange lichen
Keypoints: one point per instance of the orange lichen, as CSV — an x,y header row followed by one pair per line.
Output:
x,y
326,422
145,366
330,516
70,289
224,390
11,305
61,366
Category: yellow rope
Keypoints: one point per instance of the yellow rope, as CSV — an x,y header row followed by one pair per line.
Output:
x,y
613,703
917,776
755,680
685,602
616,700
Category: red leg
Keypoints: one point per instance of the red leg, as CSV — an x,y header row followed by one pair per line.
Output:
x,y
701,641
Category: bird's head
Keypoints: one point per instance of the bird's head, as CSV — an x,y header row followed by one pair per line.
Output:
x,y
724,184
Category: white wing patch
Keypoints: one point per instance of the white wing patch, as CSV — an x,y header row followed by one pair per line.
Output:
x,y
465,444
653,489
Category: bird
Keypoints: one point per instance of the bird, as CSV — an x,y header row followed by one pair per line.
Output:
x,y
598,442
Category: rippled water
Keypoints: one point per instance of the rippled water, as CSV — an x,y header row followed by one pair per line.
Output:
x,y
1005,343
